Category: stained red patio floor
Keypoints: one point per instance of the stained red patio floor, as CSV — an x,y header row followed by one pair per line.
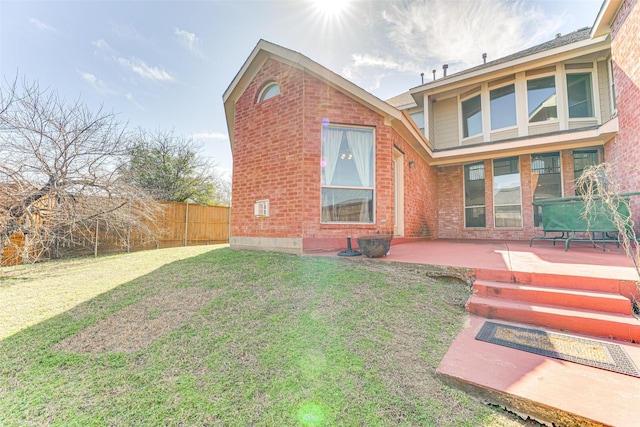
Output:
x,y
546,389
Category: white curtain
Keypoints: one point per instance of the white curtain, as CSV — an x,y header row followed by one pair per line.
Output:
x,y
361,145
330,151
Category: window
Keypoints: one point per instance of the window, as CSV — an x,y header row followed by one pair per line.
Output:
x,y
418,117
541,99
471,117
546,180
474,208
579,95
269,91
582,159
613,87
503,107
507,198
347,174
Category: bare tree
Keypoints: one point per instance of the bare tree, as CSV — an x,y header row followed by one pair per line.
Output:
x,y
60,179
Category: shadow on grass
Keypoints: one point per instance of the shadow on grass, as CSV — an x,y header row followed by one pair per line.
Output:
x,y
268,339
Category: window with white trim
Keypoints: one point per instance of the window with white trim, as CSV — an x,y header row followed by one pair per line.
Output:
x,y
542,103
502,104
546,180
418,118
347,174
472,116
612,87
507,194
269,91
474,195
580,95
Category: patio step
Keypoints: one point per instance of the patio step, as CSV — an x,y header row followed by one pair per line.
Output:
x,y
609,301
579,320
563,281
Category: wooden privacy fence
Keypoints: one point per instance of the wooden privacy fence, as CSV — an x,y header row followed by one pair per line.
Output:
x,y
179,224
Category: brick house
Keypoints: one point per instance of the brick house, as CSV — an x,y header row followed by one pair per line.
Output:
x,y
317,159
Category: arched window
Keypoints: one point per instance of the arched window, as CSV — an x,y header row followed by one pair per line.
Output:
x,y
269,91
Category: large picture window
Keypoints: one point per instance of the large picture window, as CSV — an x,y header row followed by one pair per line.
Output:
x,y
472,116
580,95
541,99
503,107
507,196
347,174
546,180
474,204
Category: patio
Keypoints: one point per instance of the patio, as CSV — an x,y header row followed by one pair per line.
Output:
x,y
541,388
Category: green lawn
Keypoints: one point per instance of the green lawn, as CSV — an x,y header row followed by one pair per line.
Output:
x,y
210,336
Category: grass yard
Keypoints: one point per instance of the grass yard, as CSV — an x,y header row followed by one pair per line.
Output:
x,y
209,336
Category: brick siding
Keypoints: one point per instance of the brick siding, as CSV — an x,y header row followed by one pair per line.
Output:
x,y
624,150
277,155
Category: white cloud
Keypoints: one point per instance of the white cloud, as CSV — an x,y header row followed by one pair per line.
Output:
x,y
190,40
95,82
41,25
217,136
132,99
425,34
145,71
102,45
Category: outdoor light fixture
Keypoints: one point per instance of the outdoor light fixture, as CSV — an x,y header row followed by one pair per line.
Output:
x,y
411,163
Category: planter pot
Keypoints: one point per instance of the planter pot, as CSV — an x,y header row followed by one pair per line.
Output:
x,y
375,246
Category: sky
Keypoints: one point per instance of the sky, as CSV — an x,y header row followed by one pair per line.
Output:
x,y
164,65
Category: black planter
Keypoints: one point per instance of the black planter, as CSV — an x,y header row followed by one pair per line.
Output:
x,y
375,246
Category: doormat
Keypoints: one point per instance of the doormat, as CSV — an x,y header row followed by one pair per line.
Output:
x,y
599,354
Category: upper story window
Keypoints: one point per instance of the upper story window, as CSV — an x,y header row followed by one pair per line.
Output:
x,y
580,95
418,118
347,174
613,86
542,103
471,117
269,91
503,107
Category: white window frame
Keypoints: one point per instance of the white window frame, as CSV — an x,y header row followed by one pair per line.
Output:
x,y
464,192
479,93
515,106
493,176
558,86
612,87
373,188
261,208
561,177
265,89
594,93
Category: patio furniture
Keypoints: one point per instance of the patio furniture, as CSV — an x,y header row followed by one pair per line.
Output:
x,y
566,216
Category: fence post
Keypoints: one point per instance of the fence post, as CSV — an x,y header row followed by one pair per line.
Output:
x,y
95,245
186,223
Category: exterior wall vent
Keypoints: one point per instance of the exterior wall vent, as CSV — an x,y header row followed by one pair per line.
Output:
x,y
261,208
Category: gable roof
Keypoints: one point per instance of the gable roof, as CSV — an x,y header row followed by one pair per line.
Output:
x,y
265,50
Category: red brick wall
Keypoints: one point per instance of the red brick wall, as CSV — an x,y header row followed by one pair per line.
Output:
x,y
277,154
267,146
624,150
451,206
